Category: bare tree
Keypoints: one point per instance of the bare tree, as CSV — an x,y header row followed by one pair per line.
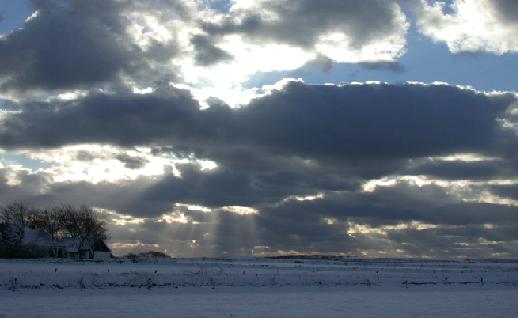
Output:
x,y
14,216
82,225
46,220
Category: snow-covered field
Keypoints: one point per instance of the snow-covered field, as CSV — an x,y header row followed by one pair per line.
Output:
x,y
259,288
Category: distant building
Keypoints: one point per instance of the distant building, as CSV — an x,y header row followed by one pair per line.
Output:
x,y
101,251
67,247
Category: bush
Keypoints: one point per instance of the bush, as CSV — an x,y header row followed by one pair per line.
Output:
x,y
22,251
143,255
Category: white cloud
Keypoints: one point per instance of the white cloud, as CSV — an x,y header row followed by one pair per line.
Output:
x,y
240,210
468,26
225,80
72,95
279,42
105,163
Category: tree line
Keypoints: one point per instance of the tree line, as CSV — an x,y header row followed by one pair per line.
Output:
x,y
59,222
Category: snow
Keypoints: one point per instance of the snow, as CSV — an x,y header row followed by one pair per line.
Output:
x,y
259,288
263,302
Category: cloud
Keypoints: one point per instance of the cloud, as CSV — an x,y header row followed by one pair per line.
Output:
x,y
471,25
265,36
131,45
506,191
402,202
95,163
396,220
507,9
65,45
320,63
206,52
388,66
78,44
131,162
461,170
405,216
343,31
356,124
233,187
372,168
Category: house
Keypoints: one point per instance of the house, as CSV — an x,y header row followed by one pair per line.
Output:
x,y
101,251
66,247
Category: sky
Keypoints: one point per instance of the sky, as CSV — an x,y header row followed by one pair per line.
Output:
x,y
381,128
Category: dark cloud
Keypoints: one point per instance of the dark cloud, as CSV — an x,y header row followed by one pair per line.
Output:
x,y
321,63
400,203
462,170
150,197
302,22
301,224
131,162
82,43
84,155
161,9
68,44
453,227
121,119
355,124
298,141
505,191
299,155
206,51
26,189
225,187
506,9
461,242
383,66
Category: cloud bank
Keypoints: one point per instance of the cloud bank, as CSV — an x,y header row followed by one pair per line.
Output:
x,y
363,168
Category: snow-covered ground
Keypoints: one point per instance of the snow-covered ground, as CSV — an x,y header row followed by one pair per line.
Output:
x,y
259,288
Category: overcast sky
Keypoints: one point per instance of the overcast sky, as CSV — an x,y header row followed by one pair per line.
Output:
x,y
249,127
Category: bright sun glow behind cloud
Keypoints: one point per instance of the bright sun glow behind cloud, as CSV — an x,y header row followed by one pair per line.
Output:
x,y
104,163
225,80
